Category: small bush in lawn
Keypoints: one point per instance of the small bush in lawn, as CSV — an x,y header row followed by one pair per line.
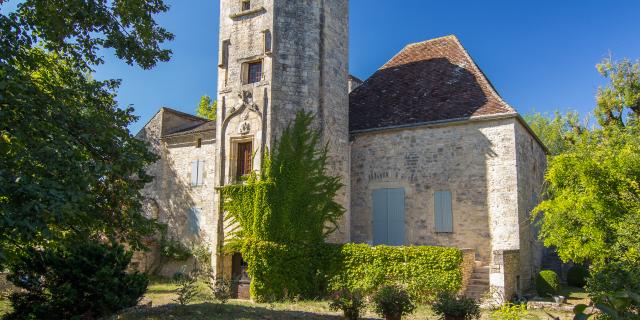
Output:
x,y
187,289
351,303
393,302
577,276
449,306
220,289
510,311
85,280
547,283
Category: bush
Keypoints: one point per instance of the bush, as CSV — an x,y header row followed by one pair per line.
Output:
x,y
220,290
393,302
80,280
577,276
547,283
510,311
187,289
450,306
350,303
423,270
613,278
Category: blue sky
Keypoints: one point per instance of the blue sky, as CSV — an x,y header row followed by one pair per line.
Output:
x,y
540,55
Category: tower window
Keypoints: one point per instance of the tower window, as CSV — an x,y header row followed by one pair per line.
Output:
x,y
244,158
246,5
224,55
199,143
267,41
253,72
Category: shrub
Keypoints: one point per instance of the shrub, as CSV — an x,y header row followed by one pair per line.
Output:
x,y
220,289
393,302
577,276
450,306
187,289
79,280
547,283
423,270
510,311
613,278
351,303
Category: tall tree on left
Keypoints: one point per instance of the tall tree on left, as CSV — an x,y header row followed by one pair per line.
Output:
x,y
70,170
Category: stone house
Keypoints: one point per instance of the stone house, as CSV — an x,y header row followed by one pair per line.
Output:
x,y
428,151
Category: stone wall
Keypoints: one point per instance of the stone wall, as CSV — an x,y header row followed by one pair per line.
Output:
x,y
468,262
504,277
532,164
470,159
170,196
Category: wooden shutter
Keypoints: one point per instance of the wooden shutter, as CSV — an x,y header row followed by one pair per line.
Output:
x,y
395,212
443,212
200,172
194,173
379,216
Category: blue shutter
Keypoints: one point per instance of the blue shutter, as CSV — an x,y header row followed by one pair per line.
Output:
x,y
194,173
200,172
395,211
194,220
379,216
443,212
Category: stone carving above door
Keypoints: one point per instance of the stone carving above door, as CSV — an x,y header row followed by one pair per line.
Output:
x,y
245,102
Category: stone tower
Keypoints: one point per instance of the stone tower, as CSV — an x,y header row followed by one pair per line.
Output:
x,y
277,57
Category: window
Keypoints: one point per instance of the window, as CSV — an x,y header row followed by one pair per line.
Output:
x,y
244,159
193,220
199,143
224,54
443,213
254,72
197,173
266,41
246,5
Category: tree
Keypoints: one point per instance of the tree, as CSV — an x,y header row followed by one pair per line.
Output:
x,y
207,108
558,132
618,103
70,170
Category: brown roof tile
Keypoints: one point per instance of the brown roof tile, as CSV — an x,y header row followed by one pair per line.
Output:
x,y
430,81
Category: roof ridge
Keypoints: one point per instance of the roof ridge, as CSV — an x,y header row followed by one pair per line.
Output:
x,y
451,36
181,113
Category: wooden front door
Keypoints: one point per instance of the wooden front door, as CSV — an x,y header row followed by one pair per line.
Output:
x,y
244,164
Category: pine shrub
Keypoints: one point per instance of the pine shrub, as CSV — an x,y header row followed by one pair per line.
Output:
x,y
548,283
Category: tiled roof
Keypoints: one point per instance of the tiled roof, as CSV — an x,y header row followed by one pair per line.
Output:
x,y
430,81
202,127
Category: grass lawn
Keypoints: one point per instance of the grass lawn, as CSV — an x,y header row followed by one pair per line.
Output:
x,y
164,307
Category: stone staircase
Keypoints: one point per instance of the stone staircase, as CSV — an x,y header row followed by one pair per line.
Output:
x,y
479,283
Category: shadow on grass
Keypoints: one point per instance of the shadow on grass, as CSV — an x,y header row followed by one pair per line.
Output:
x,y
222,312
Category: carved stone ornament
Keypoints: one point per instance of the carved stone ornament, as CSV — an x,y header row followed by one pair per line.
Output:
x,y
245,101
244,128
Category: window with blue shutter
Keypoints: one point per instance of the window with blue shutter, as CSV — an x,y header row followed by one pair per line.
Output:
x,y
197,173
194,220
388,217
443,212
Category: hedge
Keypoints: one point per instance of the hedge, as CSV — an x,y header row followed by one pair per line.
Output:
x,y
280,271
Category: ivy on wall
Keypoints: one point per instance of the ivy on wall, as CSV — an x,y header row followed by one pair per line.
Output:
x,y
282,216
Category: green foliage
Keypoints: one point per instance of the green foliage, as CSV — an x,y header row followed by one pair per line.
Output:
x,y
423,270
207,108
558,132
283,216
510,311
71,170
592,210
83,281
220,289
547,283
187,289
621,305
450,305
349,302
393,301
618,103
174,250
612,278
577,276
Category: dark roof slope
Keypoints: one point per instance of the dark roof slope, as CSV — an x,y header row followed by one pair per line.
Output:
x,y
430,81
202,127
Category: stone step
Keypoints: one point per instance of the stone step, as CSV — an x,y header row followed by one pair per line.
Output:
x,y
477,281
477,287
477,264
483,270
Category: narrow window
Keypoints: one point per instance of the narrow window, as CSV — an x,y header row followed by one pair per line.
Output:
x,y
254,72
443,212
246,5
244,160
224,54
267,41
197,173
199,143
